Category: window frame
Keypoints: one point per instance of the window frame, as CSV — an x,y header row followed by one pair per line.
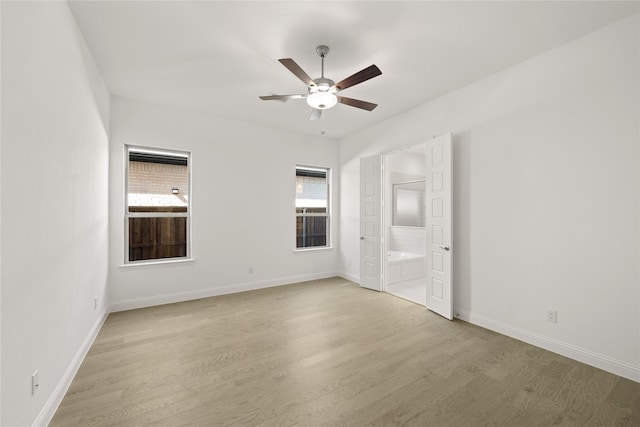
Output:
x,y
164,151
329,234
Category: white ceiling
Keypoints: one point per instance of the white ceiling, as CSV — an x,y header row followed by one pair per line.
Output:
x,y
218,57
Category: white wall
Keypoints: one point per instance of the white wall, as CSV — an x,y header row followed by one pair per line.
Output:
x,y
546,196
0,225
407,239
243,180
54,205
411,162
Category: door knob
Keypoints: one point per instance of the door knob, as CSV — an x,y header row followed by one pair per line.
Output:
x,y
361,237
446,248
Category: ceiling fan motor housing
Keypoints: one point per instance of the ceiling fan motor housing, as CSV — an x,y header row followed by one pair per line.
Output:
x,y
321,94
323,84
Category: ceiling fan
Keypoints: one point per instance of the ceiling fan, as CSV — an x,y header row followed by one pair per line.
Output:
x,y
322,92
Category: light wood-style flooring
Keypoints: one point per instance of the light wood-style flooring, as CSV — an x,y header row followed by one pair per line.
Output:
x,y
413,290
328,353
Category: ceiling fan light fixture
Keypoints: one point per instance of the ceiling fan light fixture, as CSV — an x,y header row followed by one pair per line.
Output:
x,y
322,91
322,100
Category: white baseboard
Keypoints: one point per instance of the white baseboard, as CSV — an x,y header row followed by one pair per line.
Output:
x,y
349,276
606,363
50,408
589,357
212,292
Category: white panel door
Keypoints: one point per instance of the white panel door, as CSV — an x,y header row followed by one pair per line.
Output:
x,y
439,218
370,217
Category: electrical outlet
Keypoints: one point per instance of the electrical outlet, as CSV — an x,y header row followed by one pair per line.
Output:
x,y
552,316
35,382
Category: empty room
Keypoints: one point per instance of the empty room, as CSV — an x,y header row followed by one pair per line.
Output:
x,y
316,213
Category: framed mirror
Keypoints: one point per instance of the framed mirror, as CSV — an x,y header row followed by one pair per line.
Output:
x,y
409,204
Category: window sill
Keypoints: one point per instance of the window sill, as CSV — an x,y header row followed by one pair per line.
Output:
x,y
318,249
157,262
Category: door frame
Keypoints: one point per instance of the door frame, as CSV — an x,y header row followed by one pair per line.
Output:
x,y
384,212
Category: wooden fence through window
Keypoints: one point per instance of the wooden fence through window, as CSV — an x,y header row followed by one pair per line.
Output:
x,y
157,237
311,231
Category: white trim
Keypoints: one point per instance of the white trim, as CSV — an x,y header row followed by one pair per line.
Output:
x,y
580,354
212,292
350,276
606,363
158,261
188,215
158,215
312,249
329,206
161,151
50,408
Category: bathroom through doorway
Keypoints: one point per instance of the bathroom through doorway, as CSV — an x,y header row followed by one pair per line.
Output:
x,y
404,223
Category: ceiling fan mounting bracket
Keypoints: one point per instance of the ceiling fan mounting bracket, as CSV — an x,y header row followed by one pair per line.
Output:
x,y
322,50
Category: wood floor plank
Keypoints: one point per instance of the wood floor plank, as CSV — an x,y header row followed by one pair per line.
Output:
x,y
328,353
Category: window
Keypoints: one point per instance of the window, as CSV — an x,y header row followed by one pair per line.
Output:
x,y
157,204
312,207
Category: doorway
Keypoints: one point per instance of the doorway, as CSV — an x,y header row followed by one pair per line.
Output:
x,y
404,223
376,207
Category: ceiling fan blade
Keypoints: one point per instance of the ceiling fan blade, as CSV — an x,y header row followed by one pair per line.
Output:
x,y
296,70
282,98
315,114
359,77
357,103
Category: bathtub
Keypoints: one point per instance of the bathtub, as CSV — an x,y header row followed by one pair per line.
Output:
x,y
403,266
